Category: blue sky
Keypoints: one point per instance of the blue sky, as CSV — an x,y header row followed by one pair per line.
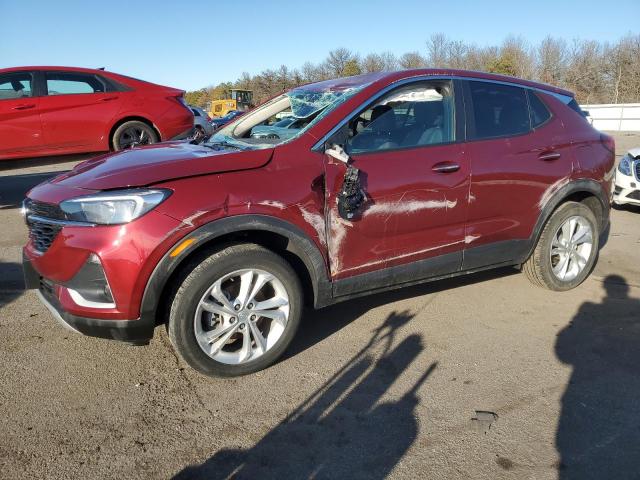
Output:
x,y
192,44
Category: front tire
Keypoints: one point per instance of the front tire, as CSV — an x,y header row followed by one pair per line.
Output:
x,y
236,311
566,250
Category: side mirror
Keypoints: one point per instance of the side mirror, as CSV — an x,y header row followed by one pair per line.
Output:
x,y
337,152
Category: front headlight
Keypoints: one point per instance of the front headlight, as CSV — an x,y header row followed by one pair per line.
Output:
x,y
625,165
113,208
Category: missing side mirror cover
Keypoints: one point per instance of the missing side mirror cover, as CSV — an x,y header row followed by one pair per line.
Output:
x,y
351,196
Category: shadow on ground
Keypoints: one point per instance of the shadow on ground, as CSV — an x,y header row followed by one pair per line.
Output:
x,y
11,282
13,188
598,433
342,430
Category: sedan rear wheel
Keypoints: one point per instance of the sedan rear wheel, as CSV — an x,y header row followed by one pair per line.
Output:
x,y
133,133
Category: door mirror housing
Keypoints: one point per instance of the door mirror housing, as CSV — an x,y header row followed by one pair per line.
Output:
x,y
336,151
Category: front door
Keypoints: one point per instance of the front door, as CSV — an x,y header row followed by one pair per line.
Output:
x,y
20,128
415,179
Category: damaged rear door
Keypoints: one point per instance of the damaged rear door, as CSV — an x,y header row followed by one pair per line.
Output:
x,y
397,195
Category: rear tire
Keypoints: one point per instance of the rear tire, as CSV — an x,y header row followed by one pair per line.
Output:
x,y
133,133
215,323
566,250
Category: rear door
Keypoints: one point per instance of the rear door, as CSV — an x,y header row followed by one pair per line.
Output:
x,y
77,110
519,156
415,177
20,127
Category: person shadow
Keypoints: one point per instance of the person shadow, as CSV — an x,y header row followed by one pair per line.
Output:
x,y
342,430
598,433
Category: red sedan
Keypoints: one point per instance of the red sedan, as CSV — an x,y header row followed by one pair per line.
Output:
x,y
62,110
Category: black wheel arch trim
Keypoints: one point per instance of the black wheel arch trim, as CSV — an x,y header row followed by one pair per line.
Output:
x,y
583,185
299,244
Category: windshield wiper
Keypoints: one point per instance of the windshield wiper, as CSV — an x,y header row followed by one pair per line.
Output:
x,y
223,143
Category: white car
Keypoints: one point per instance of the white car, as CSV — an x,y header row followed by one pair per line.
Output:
x,y
627,184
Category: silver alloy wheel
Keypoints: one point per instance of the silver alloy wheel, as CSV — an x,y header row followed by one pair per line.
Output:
x,y
571,248
241,316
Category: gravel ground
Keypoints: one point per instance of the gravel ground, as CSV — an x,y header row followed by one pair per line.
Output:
x,y
480,377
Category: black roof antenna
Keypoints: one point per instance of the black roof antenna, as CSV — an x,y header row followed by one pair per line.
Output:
x,y
100,68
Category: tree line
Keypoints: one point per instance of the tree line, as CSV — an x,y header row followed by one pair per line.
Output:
x,y
597,72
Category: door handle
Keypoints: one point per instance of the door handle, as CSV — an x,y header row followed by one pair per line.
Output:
x,y
108,99
445,167
548,156
25,107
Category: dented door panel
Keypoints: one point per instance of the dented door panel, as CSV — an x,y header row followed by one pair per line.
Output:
x,y
410,212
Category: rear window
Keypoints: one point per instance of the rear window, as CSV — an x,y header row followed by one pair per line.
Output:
x,y
69,83
498,110
539,112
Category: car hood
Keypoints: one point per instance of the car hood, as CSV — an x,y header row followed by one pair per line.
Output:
x,y
635,152
157,163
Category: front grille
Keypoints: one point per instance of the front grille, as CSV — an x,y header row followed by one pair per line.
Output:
x,y
42,209
637,164
42,234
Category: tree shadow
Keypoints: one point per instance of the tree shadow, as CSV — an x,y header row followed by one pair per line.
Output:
x,y
11,282
598,433
342,430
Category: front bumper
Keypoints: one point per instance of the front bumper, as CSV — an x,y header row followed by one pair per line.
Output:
x,y
137,331
626,190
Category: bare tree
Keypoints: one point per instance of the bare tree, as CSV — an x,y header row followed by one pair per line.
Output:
x,y
437,50
595,71
551,58
412,60
338,60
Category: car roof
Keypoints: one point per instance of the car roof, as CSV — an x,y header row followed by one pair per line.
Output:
x,y
52,67
390,77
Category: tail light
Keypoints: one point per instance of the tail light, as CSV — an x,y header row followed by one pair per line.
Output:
x,y
180,99
608,142
208,119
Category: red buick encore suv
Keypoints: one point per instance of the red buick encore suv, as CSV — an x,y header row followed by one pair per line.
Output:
x,y
63,110
391,179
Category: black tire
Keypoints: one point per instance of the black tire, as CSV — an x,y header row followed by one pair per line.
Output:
x,y
539,268
198,278
133,133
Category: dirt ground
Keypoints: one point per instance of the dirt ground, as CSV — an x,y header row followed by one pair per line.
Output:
x,y
480,377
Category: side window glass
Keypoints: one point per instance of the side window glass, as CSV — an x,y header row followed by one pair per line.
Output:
x,y
538,110
15,85
60,83
498,110
417,115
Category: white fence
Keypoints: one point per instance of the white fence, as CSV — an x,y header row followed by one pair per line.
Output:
x,y
620,117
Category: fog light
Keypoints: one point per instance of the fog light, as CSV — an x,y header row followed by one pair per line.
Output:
x,y
89,287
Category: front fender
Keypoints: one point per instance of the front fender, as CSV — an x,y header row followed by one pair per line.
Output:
x,y
298,243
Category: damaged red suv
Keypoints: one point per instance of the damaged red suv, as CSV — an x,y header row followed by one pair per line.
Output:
x,y
392,179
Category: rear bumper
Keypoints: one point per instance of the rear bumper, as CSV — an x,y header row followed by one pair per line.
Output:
x,y
138,331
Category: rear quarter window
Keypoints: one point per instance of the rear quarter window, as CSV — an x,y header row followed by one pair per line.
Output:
x,y
538,110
